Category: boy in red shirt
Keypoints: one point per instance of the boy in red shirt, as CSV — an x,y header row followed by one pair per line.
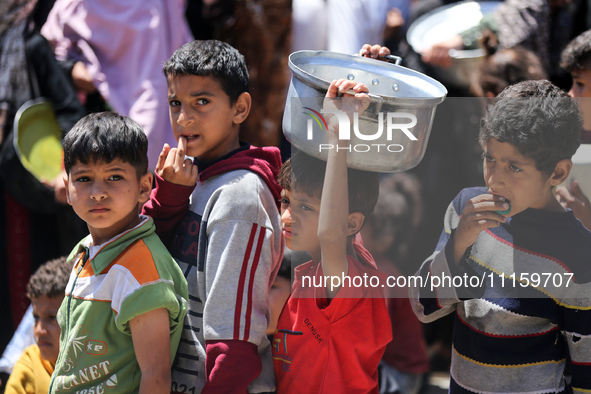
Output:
x,y
330,338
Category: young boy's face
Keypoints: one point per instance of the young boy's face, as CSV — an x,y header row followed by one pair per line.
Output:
x,y
46,330
509,174
581,87
299,218
201,112
107,196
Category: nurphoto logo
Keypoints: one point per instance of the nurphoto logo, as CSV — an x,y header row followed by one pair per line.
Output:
x,y
393,125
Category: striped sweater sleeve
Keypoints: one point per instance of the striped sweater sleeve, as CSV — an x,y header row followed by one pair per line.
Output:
x,y
433,293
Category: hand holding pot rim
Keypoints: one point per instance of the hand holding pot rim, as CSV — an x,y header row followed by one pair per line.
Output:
x,y
339,98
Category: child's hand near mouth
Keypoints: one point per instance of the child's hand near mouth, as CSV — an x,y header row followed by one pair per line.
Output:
x,y
480,213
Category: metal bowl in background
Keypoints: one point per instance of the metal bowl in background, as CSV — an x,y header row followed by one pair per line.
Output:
x,y
443,23
393,89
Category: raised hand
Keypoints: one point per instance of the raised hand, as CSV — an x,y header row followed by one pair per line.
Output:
x,y
479,214
374,51
173,167
338,97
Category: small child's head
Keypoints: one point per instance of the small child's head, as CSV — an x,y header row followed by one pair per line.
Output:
x,y
105,158
208,97
576,59
400,208
302,179
507,67
46,290
529,136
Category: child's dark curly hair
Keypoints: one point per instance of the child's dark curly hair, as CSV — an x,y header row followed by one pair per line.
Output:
x,y
50,279
539,119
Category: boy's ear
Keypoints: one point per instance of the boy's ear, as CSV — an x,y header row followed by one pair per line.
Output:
x,y
242,107
145,187
355,222
561,172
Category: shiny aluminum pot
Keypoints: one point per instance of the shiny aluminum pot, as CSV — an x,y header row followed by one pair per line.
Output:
x,y
443,23
402,106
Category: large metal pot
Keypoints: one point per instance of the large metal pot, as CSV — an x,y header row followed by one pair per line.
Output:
x,y
443,23
403,102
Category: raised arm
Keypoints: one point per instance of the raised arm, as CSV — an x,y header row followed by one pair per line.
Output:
x,y
334,224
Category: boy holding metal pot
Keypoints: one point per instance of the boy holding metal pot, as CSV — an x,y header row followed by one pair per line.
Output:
x,y
332,333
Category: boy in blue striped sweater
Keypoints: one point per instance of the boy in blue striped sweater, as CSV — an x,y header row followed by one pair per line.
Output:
x,y
512,263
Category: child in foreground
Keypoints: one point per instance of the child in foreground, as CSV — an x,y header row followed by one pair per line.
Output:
x,y
125,302
534,335
330,339
220,215
46,287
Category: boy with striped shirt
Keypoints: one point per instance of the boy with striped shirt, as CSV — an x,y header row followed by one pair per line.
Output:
x,y
514,333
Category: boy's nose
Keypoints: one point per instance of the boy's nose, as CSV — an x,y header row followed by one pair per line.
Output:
x,y
98,192
184,118
494,178
40,328
286,216
571,92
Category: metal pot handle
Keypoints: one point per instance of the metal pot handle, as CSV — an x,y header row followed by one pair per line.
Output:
x,y
392,59
388,58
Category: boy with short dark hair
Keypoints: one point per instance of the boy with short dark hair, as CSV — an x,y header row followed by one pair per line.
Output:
x,y
330,339
525,324
228,238
122,316
46,287
576,59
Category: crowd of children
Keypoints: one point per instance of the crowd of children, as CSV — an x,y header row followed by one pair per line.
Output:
x,y
187,281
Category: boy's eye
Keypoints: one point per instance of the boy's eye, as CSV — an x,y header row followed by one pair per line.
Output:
x,y
515,168
83,179
115,178
487,157
203,101
284,201
304,207
174,103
